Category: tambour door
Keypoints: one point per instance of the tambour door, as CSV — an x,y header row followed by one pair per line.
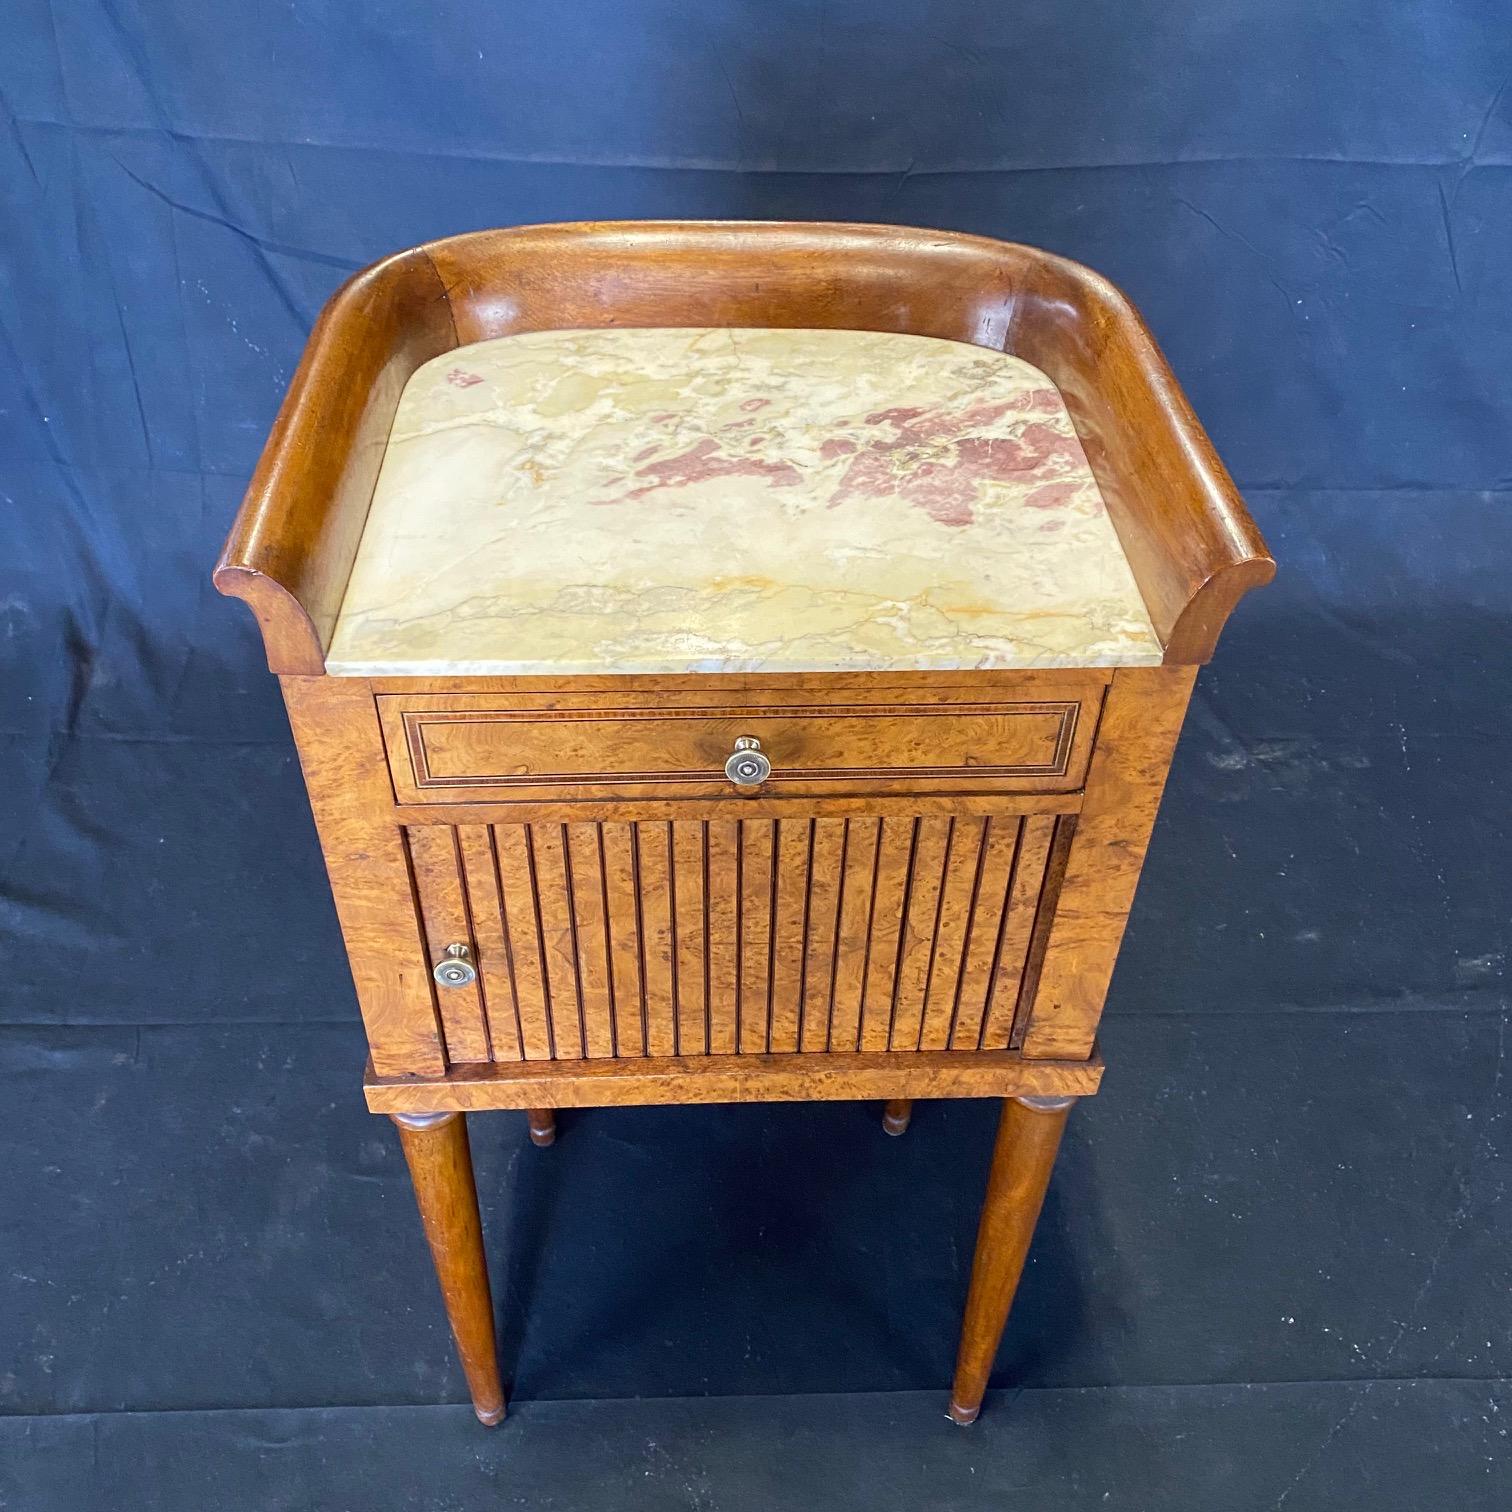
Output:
x,y
738,936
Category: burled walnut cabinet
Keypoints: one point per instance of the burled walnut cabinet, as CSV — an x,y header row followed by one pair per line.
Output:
x,y
734,662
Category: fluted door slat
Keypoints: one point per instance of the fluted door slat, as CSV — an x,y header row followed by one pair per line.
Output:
x,y
690,927
1017,927
999,847
585,872
958,898
826,862
622,889
921,923
724,935
658,955
792,839
480,880
858,890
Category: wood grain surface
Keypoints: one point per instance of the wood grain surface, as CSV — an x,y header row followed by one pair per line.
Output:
x,y
367,859
1135,743
461,748
440,1163
290,552
1023,1154
837,1077
752,936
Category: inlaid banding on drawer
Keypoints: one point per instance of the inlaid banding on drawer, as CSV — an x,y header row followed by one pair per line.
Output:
x,y
449,749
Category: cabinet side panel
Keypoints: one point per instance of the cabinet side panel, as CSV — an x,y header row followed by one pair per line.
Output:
x,y
1044,918
340,747
1135,742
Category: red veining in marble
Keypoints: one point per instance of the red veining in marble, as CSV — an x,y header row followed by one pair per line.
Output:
x,y
932,458
930,462
1052,495
701,464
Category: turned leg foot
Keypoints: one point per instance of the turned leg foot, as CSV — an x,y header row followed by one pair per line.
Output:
x,y
542,1123
895,1115
440,1163
1028,1136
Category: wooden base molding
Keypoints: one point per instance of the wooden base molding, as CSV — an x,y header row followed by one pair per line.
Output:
x,y
885,1075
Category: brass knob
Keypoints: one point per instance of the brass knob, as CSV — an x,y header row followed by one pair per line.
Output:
x,y
455,968
746,766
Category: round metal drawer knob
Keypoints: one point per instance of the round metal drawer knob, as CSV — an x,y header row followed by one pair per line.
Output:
x,y
746,766
455,968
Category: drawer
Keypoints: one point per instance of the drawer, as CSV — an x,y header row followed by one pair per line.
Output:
x,y
487,748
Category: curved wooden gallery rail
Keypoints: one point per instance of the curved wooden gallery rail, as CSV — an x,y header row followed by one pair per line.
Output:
x,y
1189,539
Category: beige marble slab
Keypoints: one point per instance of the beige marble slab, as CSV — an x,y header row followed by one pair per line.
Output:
x,y
724,500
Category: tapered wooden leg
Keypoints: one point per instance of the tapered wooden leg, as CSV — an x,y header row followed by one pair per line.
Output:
x,y
542,1123
895,1115
435,1145
1028,1136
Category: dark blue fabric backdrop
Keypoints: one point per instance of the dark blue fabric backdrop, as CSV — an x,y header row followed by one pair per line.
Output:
x,y
1310,204
1276,1245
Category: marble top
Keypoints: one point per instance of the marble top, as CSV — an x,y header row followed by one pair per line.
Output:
x,y
733,500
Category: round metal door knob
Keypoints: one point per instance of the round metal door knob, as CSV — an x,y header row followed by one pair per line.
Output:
x,y
455,968
746,766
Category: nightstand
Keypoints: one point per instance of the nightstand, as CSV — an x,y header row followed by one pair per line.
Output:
x,y
734,662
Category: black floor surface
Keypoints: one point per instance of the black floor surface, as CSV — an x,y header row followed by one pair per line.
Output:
x,y
1426,1444
1274,1270
220,1295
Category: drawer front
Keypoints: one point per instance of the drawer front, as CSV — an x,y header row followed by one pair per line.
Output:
x,y
461,748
